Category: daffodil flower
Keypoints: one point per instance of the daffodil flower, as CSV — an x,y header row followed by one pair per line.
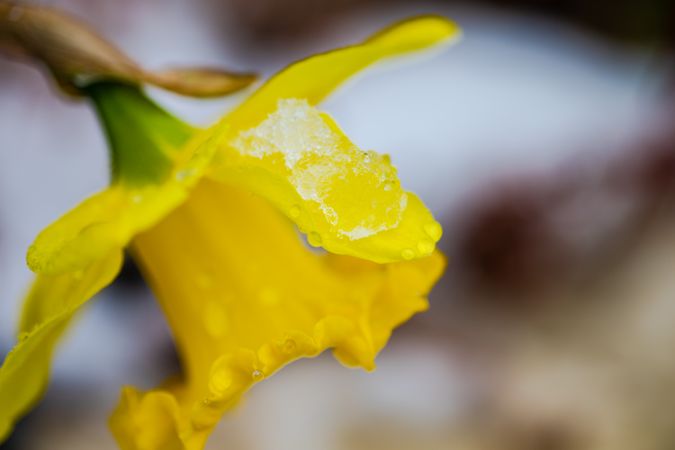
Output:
x,y
208,215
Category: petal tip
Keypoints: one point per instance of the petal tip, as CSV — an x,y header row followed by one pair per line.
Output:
x,y
419,32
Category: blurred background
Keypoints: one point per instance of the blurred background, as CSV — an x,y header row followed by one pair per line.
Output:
x,y
544,142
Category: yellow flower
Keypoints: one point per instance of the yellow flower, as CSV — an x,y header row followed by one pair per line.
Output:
x,y
200,211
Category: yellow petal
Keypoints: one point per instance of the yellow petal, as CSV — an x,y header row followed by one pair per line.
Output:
x,y
312,79
146,422
244,297
346,200
48,309
109,220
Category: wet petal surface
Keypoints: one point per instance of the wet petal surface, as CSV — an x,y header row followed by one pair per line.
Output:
x,y
48,309
346,199
244,296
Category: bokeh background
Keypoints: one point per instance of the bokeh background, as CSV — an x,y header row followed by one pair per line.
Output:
x,y
545,143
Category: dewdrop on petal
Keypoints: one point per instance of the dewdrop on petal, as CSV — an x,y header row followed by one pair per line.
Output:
x,y
337,177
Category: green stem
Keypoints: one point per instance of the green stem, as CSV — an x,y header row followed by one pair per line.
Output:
x,y
143,138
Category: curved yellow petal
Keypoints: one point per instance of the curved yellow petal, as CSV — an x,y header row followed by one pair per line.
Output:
x,y
48,309
314,78
109,220
347,200
147,422
244,297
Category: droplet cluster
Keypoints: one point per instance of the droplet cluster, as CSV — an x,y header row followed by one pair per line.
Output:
x,y
357,192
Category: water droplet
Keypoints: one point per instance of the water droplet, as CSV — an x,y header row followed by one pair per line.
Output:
x,y
289,345
220,382
433,230
257,375
184,174
216,322
408,254
425,246
389,185
294,212
314,239
136,198
268,297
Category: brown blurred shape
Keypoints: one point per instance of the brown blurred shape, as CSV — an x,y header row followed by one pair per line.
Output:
x,y
77,56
